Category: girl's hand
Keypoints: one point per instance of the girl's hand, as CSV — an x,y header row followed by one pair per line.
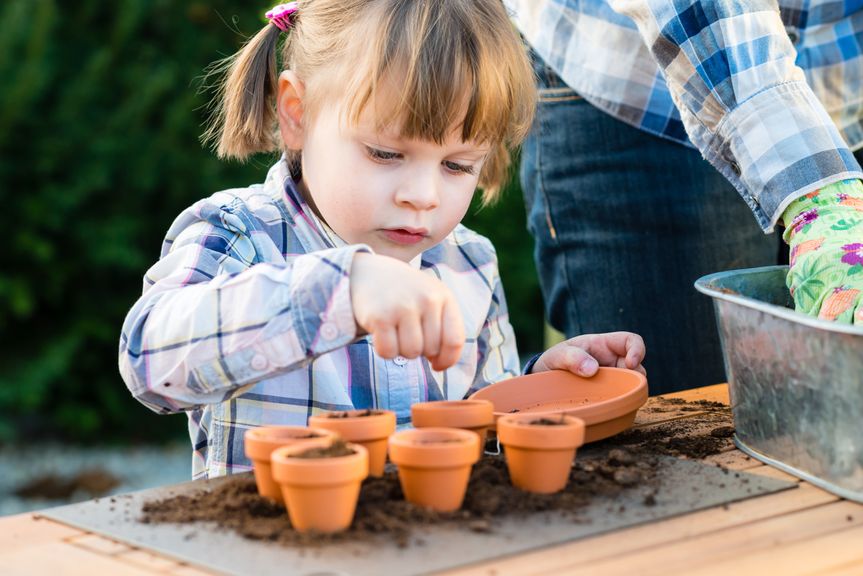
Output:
x,y
407,312
583,355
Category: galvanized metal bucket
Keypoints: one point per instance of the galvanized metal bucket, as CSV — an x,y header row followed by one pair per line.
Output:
x,y
796,382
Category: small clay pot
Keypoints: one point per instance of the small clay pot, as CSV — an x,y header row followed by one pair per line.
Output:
x,y
539,456
607,401
371,428
260,442
321,493
434,465
474,415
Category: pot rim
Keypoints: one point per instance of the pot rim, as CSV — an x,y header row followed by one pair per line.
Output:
x,y
319,471
416,448
358,429
471,413
515,430
260,442
594,413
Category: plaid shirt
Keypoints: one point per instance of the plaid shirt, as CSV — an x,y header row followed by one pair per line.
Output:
x,y
246,320
722,72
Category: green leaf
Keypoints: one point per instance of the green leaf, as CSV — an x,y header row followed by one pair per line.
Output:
x,y
843,224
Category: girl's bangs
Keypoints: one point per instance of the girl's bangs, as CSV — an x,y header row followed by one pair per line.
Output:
x,y
425,90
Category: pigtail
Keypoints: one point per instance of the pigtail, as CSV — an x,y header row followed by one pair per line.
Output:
x,y
244,120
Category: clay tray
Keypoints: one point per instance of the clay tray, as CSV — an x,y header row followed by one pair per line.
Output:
x,y
683,486
607,402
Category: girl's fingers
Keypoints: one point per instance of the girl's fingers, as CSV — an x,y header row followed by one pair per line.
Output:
x,y
431,327
451,336
635,351
410,336
386,341
571,358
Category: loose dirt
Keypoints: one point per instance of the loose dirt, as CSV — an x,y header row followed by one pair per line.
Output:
x,y
352,414
628,461
334,450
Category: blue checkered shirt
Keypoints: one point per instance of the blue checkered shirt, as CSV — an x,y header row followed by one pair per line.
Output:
x,y
246,320
771,95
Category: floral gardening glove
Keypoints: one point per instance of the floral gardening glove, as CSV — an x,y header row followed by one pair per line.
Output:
x,y
825,233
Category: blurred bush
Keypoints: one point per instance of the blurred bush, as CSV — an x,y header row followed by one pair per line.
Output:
x,y
99,123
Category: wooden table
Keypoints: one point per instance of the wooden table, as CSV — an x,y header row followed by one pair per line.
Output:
x,y
804,530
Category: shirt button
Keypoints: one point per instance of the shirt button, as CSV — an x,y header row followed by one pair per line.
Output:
x,y
400,360
329,331
735,167
259,362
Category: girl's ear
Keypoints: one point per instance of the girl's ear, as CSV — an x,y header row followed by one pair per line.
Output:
x,y
290,109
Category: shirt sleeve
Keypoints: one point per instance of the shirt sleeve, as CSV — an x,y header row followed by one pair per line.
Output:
x,y
745,104
213,321
496,347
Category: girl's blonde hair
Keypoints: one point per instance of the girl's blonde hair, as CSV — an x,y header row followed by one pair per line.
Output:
x,y
456,62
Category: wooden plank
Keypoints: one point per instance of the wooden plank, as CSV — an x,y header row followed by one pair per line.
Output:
x,y
771,472
188,570
149,560
100,544
840,549
658,410
24,529
852,568
728,545
60,558
715,393
733,460
648,536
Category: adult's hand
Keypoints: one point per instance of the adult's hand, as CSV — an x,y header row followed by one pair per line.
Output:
x,y
825,233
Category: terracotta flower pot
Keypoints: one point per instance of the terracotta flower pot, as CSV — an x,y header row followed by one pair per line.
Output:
x,y
474,415
607,402
434,465
321,492
539,455
370,428
259,444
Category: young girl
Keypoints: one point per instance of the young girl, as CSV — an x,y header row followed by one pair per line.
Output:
x,y
345,280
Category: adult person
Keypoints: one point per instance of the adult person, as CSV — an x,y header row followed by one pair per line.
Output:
x,y
624,210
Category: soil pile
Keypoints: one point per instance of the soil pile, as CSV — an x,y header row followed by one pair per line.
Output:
x,y
382,509
694,438
628,461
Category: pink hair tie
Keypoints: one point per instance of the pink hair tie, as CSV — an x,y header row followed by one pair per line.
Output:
x,y
281,15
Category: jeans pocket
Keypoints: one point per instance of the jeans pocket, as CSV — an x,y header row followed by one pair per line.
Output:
x,y
550,86
562,94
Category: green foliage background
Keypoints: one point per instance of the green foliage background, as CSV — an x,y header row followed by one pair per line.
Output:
x,y
99,123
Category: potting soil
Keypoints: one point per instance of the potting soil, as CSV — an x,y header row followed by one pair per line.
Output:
x,y
629,479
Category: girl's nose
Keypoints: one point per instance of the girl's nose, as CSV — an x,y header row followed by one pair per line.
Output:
x,y
419,191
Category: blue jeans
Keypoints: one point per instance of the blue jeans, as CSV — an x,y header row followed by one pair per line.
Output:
x,y
624,222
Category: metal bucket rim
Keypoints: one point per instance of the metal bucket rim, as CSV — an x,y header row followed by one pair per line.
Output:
x,y
705,286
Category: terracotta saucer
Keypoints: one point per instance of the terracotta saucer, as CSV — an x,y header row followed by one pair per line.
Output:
x,y
607,402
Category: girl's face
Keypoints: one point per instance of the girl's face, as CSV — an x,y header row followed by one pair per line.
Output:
x,y
399,196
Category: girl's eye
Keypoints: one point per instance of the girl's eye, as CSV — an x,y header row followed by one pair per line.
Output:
x,y
458,168
382,155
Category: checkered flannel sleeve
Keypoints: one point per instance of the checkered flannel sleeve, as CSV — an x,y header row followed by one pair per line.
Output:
x,y
744,103
210,312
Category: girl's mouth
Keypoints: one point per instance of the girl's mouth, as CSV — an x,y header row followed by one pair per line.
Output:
x,y
405,236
